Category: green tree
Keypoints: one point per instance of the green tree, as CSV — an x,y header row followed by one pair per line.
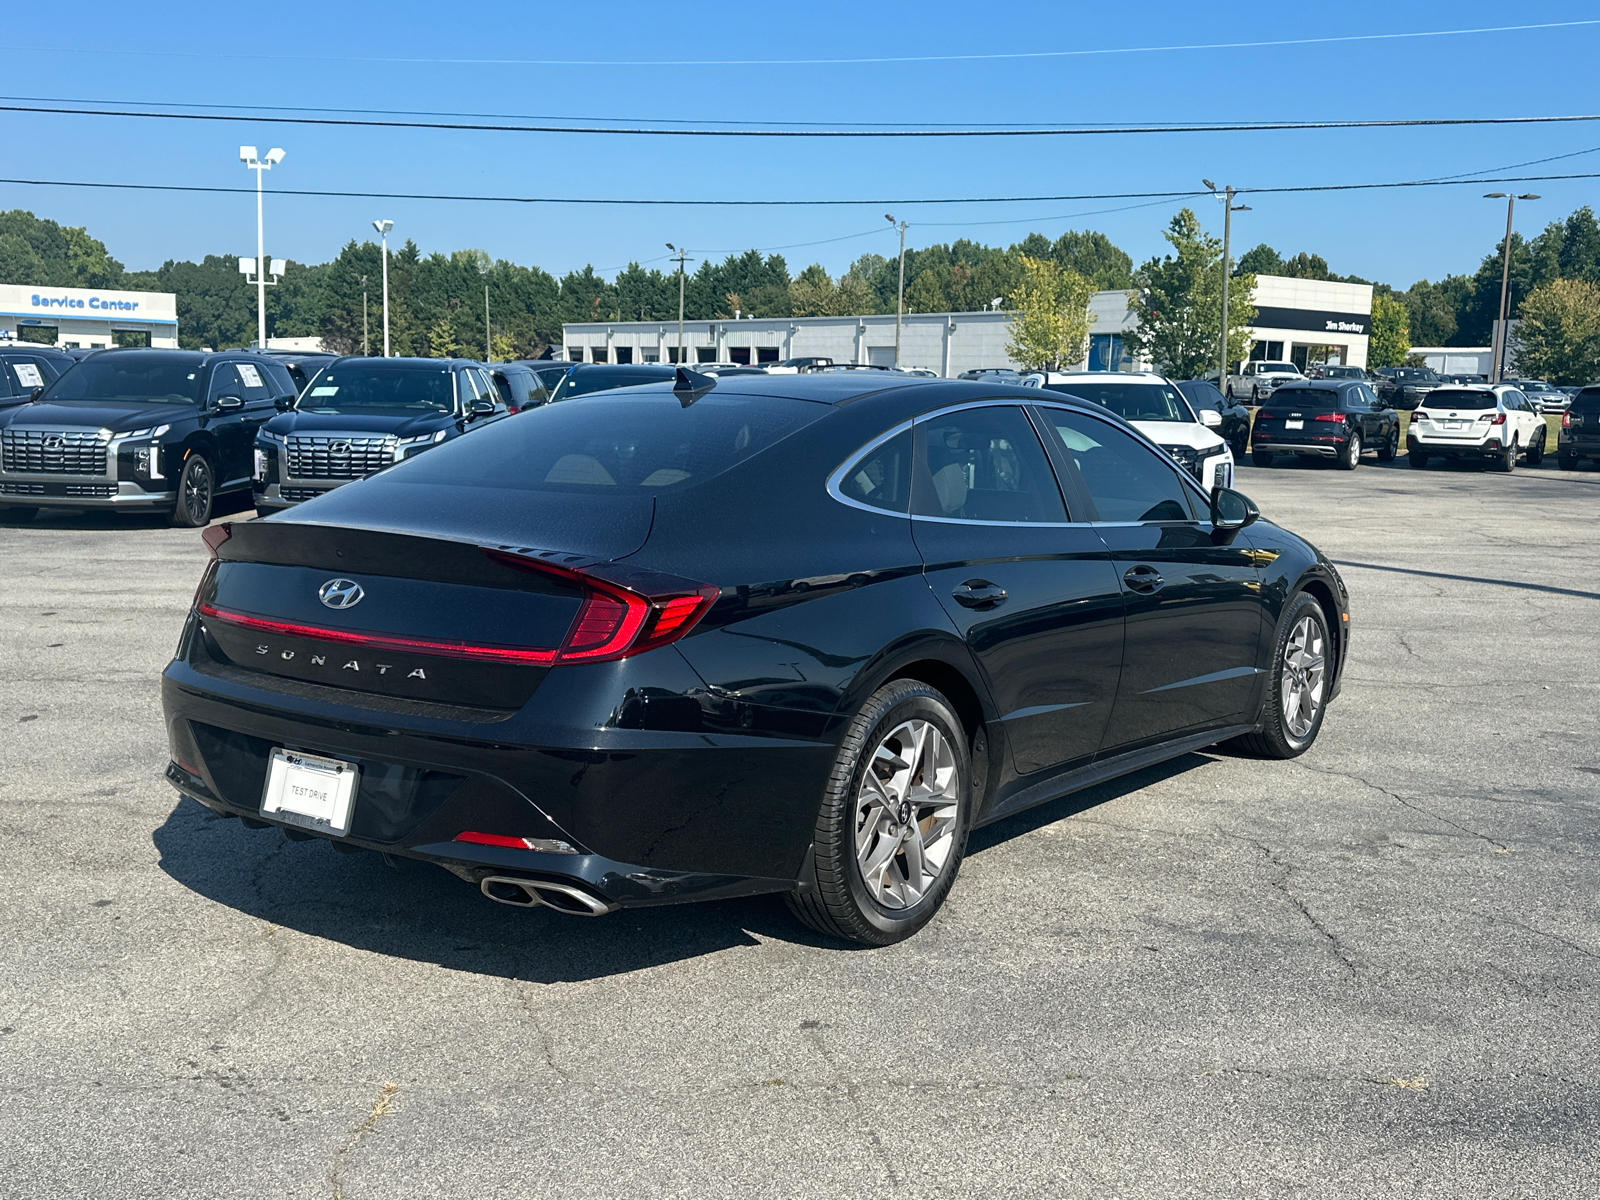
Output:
x,y
1050,318
1308,266
1263,260
1557,336
1179,304
1390,339
1094,256
442,338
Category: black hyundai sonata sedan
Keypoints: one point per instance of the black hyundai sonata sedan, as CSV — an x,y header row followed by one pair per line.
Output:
x,y
704,638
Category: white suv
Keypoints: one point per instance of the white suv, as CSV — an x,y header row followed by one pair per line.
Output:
x,y
1495,422
1154,406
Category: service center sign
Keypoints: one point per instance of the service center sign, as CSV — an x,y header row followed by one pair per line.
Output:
x,y
48,304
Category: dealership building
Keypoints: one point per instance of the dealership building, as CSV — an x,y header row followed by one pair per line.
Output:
x,y
1307,321
87,318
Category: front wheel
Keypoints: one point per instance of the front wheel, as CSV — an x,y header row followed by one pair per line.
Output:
x,y
196,492
1535,452
1297,688
1351,458
892,828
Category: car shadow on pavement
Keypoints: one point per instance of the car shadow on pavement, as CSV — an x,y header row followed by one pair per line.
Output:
x,y
414,910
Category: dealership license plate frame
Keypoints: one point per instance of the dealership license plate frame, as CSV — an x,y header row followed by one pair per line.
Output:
x,y
310,791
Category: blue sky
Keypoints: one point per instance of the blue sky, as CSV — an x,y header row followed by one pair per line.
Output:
x,y
306,54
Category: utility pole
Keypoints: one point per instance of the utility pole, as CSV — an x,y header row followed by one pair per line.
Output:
x,y
900,294
1498,369
383,228
681,260
1228,209
364,351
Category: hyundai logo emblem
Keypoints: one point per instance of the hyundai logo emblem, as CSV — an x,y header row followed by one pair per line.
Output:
x,y
339,448
340,593
55,442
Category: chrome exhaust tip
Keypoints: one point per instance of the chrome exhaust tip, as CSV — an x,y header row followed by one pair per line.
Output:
x,y
532,893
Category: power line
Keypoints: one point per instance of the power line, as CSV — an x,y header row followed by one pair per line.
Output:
x,y
654,202
819,62
706,131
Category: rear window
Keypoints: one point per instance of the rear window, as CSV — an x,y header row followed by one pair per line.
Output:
x,y
363,388
1460,399
629,444
1317,399
1587,401
583,382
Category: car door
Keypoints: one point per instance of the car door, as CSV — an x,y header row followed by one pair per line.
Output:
x,y
1520,412
1192,595
226,421
264,383
1031,590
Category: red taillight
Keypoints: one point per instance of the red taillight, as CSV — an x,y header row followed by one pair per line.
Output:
x,y
619,618
493,839
1329,417
1566,420
514,655
1498,418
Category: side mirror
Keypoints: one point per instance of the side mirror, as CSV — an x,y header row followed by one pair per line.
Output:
x,y
283,403
229,403
36,393
1232,510
1210,418
483,408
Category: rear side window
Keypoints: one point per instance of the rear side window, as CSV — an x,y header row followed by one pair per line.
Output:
x,y
882,479
634,444
1461,399
279,379
985,464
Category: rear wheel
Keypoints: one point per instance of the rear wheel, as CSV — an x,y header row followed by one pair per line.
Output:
x,y
1506,460
1388,449
1261,458
1351,458
1535,454
1567,462
893,824
1297,691
1418,458
196,492
18,514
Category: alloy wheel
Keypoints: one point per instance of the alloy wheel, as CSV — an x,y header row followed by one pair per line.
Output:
x,y
196,495
905,814
1304,663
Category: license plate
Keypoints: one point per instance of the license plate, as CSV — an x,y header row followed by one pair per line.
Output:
x,y
310,791
1294,424
1454,424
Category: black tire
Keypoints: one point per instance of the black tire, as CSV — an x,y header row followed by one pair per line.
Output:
x,y
1506,461
1275,739
18,514
1261,458
1567,462
1239,445
839,904
1388,449
1534,455
1418,459
197,493
1350,456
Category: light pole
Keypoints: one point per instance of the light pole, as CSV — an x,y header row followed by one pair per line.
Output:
x,y
1228,209
247,155
681,260
383,228
900,294
364,351
1499,362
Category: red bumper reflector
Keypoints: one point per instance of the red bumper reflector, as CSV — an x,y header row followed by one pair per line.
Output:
x,y
493,839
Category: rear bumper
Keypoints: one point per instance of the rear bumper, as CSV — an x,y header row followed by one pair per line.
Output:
x,y
656,817
1453,447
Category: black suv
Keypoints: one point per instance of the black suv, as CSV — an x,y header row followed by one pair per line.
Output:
x,y
1235,427
361,414
1580,430
1404,387
24,369
140,429
1325,418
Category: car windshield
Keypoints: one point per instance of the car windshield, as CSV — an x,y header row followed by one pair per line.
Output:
x,y
363,388
1314,399
1272,368
152,379
1133,400
1461,398
638,443
581,383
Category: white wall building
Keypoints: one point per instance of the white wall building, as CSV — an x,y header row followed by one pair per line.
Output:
x,y
1457,360
1299,319
88,317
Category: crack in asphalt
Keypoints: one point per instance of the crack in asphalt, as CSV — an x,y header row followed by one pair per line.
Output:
x,y
852,1093
381,1107
1399,799
1281,886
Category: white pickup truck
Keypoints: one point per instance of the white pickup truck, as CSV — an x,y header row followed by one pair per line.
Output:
x,y
1256,380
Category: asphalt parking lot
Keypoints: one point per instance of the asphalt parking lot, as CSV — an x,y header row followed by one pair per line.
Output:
x,y
1374,971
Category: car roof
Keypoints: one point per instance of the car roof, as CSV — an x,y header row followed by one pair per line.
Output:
x,y
416,364
31,348
201,357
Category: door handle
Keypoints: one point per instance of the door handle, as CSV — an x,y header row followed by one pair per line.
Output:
x,y
1143,579
979,594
